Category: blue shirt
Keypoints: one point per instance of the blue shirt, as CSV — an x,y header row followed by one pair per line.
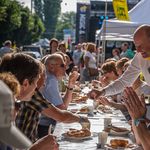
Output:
x,y
52,94
76,57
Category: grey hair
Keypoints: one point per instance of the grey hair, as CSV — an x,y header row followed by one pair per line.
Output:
x,y
52,59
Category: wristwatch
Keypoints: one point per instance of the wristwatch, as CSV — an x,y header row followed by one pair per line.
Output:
x,y
139,120
82,119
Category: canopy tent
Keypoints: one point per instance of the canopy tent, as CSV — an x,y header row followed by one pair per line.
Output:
x,y
120,29
138,15
117,28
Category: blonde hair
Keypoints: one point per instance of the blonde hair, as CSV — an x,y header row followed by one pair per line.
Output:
x,y
10,80
91,47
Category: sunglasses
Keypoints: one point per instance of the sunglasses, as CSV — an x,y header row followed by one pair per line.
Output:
x,y
60,65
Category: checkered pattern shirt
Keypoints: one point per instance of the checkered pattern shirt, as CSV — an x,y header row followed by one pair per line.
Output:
x,y
28,115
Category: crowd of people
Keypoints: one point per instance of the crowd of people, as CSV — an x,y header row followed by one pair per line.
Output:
x,y
36,87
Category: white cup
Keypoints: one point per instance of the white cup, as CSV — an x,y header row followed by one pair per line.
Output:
x,y
107,122
86,125
91,110
95,104
102,138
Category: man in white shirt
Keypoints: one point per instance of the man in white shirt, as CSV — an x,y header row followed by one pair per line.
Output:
x,y
135,106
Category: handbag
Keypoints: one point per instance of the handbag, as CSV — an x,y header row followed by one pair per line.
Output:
x,y
93,72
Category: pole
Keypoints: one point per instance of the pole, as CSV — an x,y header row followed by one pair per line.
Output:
x,y
104,34
31,6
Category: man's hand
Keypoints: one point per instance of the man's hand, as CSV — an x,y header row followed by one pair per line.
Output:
x,y
104,100
46,143
135,106
72,78
94,94
85,123
96,83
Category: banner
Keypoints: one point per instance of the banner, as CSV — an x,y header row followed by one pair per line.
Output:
x,y
82,22
121,9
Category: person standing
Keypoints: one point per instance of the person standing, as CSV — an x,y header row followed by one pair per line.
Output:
x,y
126,51
77,55
6,48
90,70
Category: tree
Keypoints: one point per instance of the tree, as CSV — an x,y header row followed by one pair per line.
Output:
x,y
38,8
18,24
10,18
51,11
65,21
30,30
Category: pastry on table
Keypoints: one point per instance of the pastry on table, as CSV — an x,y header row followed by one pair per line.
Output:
x,y
78,133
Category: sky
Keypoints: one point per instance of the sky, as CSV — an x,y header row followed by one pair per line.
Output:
x,y
66,5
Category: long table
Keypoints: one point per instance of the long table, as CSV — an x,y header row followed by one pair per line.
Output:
x,y
97,125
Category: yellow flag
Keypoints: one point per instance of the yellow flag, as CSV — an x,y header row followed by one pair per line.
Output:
x,y
121,9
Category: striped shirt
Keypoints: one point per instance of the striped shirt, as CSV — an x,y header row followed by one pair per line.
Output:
x,y
28,115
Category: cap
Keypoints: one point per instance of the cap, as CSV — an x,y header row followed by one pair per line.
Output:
x,y
9,133
8,42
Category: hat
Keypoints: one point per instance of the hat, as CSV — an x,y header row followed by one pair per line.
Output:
x,y
8,42
9,133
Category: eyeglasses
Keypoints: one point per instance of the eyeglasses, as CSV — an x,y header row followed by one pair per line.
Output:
x,y
60,65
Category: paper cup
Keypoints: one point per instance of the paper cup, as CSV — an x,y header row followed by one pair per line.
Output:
x,y
85,125
91,111
102,138
107,122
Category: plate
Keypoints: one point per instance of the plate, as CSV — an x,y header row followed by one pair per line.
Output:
x,y
130,147
112,132
104,109
74,110
76,138
72,104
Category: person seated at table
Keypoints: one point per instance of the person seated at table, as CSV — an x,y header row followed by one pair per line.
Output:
x,y
27,77
108,74
139,86
119,65
55,70
39,105
116,53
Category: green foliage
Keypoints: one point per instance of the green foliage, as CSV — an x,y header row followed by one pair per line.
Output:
x,y
38,7
18,24
65,21
11,19
51,10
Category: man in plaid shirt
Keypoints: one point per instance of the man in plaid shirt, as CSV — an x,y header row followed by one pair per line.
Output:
x,y
28,116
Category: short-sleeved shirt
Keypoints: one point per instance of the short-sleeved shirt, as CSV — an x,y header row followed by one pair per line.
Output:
x,y
52,94
5,50
28,116
76,57
92,59
128,53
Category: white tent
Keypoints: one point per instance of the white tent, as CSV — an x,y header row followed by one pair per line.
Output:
x,y
138,15
120,28
123,30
